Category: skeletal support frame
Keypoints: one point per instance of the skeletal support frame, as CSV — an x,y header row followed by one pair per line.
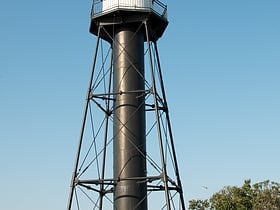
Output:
x,y
126,126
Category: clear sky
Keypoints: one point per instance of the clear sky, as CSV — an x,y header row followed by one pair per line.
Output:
x,y
221,64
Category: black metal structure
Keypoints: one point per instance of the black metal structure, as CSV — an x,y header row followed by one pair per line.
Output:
x,y
126,156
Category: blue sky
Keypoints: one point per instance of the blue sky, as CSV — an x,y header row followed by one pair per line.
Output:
x,y
221,64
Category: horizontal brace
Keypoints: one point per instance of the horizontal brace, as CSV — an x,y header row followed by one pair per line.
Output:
x,y
97,190
112,181
106,95
161,188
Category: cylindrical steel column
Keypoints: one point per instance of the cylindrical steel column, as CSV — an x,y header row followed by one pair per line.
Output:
x,y
129,120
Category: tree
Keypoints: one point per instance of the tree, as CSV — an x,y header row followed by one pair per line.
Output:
x,y
266,195
259,196
198,204
231,198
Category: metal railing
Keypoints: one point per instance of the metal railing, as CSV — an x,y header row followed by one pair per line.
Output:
x,y
101,7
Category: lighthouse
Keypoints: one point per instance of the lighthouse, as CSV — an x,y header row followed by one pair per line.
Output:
x,y
126,157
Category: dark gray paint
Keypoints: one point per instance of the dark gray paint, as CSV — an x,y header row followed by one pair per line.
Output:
x,y
129,119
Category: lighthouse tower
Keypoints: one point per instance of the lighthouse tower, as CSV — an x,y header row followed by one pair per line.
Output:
x,y
126,156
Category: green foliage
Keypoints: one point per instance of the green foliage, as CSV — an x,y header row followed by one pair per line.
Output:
x,y
198,204
232,198
266,195
260,196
